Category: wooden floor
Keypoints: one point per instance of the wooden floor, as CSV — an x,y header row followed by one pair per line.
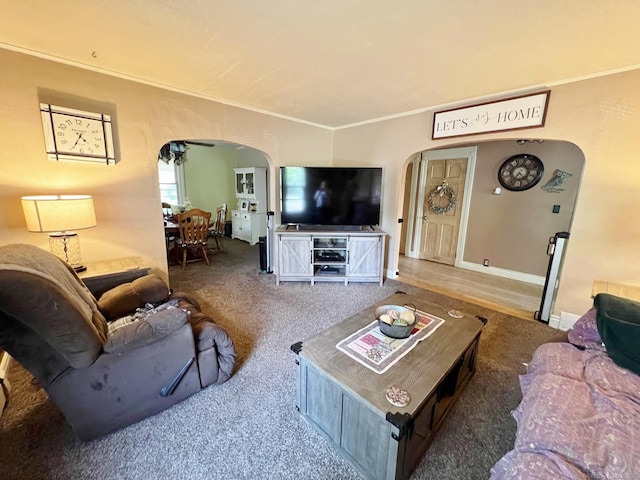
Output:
x,y
515,298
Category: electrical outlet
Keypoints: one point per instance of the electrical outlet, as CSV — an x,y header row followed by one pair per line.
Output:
x,y
486,262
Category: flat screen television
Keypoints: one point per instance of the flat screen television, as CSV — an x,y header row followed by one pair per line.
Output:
x,y
337,196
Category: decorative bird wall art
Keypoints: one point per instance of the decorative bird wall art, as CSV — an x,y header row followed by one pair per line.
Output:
x,y
555,183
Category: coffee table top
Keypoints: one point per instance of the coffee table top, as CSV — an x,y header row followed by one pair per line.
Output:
x,y
419,372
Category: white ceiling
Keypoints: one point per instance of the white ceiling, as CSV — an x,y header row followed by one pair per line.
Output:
x,y
333,62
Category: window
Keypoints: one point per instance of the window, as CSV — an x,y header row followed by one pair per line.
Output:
x,y
295,181
171,177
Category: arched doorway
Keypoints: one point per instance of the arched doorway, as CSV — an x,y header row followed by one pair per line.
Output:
x,y
202,173
503,245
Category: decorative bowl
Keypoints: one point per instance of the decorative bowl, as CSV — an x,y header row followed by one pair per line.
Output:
x,y
397,329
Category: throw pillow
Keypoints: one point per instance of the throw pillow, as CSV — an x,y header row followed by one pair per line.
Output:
x,y
619,326
129,334
125,298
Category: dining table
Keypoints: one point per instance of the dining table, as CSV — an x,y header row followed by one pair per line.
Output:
x,y
171,228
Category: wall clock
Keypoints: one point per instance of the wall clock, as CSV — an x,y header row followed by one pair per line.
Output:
x,y
520,172
77,134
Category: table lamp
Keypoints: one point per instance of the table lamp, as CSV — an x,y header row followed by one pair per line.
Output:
x,y
60,215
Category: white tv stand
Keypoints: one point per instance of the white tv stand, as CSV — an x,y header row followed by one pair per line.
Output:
x,y
337,255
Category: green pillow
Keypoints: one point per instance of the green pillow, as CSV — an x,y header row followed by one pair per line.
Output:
x,y
618,321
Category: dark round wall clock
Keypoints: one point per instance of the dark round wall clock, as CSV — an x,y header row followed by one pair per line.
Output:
x,y
520,172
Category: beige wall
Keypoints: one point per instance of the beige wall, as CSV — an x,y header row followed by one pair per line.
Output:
x,y
512,229
600,116
126,195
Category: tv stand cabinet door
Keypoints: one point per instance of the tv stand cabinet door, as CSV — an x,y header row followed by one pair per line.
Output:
x,y
294,253
365,257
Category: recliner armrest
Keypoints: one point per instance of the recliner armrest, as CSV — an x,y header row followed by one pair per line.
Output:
x,y
145,331
125,298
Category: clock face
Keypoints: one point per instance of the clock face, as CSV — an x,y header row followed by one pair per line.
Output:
x,y
77,135
520,172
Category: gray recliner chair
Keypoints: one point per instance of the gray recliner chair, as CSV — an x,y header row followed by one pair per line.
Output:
x,y
103,371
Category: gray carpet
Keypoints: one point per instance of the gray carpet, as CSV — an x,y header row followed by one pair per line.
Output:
x,y
248,428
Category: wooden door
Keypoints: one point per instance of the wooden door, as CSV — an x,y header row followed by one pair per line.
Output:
x,y
439,231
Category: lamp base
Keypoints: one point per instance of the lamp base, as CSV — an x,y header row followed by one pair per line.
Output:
x,y
66,246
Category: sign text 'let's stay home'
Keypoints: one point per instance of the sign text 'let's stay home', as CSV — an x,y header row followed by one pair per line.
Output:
x,y
526,111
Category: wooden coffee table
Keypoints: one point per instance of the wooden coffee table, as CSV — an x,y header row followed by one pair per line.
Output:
x,y
345,401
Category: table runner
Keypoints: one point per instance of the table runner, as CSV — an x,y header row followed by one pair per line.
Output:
x,y
373,349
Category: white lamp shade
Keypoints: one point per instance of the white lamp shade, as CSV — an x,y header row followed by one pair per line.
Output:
x,y
58,213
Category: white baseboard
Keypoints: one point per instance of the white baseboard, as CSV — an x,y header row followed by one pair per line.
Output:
x,y
565,321
554,321
501,272
568,320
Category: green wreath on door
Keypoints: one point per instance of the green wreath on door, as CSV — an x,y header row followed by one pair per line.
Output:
x,y
442,190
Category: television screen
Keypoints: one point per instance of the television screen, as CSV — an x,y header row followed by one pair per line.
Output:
x,y
330,195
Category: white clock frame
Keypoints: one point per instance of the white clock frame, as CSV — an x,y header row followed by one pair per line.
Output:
x,y
58,122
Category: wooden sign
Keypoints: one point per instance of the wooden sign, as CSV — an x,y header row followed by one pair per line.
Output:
x,y
515,113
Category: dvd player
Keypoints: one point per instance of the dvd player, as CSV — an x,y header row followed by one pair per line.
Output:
x,y
330,256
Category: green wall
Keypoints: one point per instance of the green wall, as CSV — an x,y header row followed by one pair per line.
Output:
x,y
209,176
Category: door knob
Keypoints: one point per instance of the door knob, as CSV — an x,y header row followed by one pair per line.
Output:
x,y
424,217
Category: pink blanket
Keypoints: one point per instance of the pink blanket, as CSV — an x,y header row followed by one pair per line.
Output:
x,y
579,418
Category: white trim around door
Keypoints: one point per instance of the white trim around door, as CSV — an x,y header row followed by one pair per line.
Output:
x,y
418,180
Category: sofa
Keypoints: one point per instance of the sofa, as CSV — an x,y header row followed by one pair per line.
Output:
x,y
579,417
109,362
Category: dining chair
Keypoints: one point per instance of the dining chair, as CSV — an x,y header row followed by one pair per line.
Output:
x,y
167,211
217,229
194,231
